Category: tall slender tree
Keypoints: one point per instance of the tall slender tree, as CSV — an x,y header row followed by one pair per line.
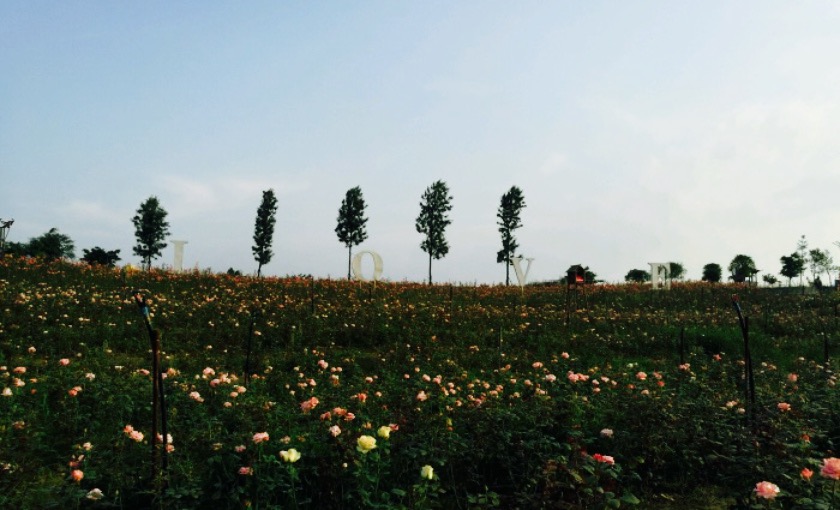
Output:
x,y
508,214
433,220
150,228
351,222
802,249
264,230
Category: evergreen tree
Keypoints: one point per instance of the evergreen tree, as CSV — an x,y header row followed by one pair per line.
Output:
x,y
351,222
264,230
511,206
433,220
150,228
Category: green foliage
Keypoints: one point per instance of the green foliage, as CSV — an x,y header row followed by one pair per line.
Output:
x,y
433,220
769,279
97,255
792,266
16,249
264,230
676,271
150,229
637,276
712,273
508,214
820,261
351,222
52,245
742,268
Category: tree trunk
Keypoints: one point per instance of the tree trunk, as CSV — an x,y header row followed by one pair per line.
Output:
x,y
507,272
349,258
259,270
430,269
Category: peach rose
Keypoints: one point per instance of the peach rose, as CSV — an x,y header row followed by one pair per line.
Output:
x,y
831,468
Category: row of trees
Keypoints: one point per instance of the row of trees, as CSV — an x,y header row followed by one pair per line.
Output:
x,y
151,229
435,204
742,268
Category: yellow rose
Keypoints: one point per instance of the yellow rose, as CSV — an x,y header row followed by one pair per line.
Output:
x,y
384,432
291,455
366,444
427,472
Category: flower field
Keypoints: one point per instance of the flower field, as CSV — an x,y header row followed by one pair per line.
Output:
x,y
300,393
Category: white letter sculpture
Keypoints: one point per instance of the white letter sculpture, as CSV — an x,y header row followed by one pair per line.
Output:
x,y
178,264
357,266
660,274
521,278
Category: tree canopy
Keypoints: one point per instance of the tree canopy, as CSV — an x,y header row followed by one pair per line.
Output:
x,y
100,256
51,245
712,273
637,276
742,268
792,266
820,261
676,271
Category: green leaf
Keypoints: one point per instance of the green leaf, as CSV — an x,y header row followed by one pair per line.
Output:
x,y
630,499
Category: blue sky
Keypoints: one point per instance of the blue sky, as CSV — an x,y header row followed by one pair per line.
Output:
x,y
638,131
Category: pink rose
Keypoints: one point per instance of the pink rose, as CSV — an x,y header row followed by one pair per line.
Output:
x,y
831,468
766,490
606,459
260,437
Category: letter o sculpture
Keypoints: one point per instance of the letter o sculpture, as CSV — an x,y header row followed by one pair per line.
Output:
x,y
357,265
